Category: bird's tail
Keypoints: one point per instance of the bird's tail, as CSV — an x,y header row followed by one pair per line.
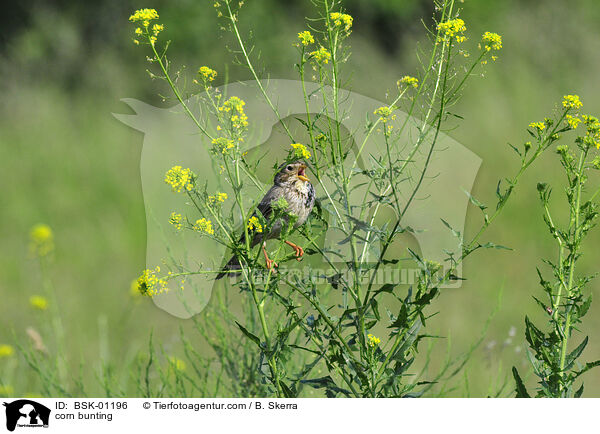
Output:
x,y
233,264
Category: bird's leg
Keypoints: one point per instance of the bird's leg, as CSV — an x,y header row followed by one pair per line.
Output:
x,y
270,263
299,250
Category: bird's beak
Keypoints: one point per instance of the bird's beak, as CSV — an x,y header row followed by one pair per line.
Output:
x,y
302,174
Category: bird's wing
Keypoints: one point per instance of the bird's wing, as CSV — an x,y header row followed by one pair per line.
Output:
x,y
264,206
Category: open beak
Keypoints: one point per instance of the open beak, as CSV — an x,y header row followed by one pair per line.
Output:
x,y
302,173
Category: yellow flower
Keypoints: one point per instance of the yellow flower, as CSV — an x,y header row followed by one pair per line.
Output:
x,y
373,340
144,15
572,121
306,38
592,135
176,220
218,198
138,31
572,102
157,28
207,74
6,351
538,126
409,81
491,41
385,113
179,179
177,364
7,390
234,106
254,224
300,150
233,103
340,20
322,55
223,144
149,284
452,29
41,240
38,302
204,225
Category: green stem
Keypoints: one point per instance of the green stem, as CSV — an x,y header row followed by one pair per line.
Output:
x,y
575,227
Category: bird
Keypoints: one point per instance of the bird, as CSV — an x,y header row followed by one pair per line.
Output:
x,y
291,184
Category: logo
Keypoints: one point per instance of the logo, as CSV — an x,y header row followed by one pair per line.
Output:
x,y
26,413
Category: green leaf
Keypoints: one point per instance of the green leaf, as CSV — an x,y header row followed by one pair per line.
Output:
x,y
252,337
520,387
493,246
587,367
326,383
585,306
388,287
402,319
570,359
455,233
474,201
287,392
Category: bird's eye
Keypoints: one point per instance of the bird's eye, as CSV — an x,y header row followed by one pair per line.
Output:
x,y
289,168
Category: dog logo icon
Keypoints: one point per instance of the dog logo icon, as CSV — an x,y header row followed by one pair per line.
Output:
x,y
26,413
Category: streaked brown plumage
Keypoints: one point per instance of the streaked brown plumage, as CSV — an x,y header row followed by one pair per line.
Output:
x,y
291,184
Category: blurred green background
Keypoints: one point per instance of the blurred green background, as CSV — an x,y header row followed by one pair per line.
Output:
x,y
65,161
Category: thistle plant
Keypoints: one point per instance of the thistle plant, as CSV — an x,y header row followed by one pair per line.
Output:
x,y
325,329
554,352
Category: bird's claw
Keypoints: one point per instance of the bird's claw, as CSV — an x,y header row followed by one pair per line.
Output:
x,y
271,264
299,253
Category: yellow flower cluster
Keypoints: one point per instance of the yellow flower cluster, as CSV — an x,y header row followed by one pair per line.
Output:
x,y
6,351
149,284
453,29
385,113
407,80
491,41
38,302
204,225
207,74
254,224
235,107
144,15
322,55
572,102
41,240
233,103
306,38
538,126
572,121
592,135
176,220
321,139
223,144
340,20
300,150
373,340
218,198
180,179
